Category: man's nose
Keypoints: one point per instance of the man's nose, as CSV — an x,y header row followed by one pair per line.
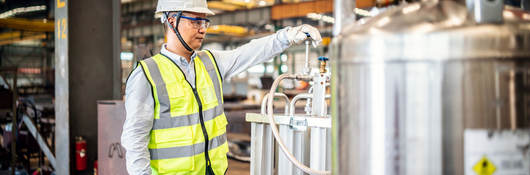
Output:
x,y
202,30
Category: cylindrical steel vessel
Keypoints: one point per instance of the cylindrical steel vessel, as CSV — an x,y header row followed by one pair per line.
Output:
x,y
409,83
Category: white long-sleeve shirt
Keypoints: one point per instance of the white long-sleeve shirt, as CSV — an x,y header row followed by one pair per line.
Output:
x,y
139,103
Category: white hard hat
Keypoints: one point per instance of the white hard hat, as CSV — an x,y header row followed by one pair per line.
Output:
x,y
197,6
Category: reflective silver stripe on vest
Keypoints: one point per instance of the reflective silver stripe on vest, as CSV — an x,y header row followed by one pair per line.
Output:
x,y
161,90
186,151
166,120
187,120
212,71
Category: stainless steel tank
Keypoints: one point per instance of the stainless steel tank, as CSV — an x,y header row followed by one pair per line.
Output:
x,y
410,84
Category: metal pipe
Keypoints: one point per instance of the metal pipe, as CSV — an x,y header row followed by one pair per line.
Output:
x,y
42,143
486,11
512,101
5,81
306,67
296,98
343,13
525,5
264,102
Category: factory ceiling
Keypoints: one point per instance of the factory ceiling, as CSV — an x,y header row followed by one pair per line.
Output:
x,y
31,9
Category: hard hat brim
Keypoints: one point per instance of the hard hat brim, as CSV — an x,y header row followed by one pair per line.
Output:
x,y
200,10
194,9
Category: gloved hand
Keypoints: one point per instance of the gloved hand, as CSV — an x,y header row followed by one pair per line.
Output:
x,y
297,35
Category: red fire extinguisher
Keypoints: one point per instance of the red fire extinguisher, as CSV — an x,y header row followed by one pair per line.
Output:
x,y
80,153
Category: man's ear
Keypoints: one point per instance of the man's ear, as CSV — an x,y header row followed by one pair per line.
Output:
x,y
171,22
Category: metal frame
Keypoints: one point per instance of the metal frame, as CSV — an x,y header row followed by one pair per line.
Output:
x,y
312,121
307,136
262,155
42,143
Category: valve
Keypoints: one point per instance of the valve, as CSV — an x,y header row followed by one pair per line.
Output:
x,y
323,62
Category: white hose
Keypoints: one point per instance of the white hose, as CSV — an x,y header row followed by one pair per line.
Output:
x,y
264,102
275,131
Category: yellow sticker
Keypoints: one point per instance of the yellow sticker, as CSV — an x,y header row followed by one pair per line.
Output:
x,y
484,167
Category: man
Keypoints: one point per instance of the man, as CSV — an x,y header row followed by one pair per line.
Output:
x,y
175,122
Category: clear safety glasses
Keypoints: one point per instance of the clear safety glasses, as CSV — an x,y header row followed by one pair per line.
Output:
x,y
198,22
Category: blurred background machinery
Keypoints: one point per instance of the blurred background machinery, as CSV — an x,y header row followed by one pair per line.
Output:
x,y
63,58
433,88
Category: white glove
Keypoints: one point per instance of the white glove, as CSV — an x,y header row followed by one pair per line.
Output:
x,y
297,35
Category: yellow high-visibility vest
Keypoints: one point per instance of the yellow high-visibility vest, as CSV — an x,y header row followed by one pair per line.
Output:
x,y
185,117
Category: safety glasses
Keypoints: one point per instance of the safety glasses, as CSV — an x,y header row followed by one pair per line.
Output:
x,y
198,22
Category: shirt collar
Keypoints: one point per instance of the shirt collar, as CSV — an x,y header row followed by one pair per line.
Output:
x,y
176,58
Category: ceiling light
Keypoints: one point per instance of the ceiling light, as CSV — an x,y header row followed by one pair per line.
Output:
x,y
362,12
507,14
262,3
14,12
328,19
526,16
315,16
126,56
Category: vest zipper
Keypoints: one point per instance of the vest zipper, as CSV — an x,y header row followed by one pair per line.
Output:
x,y
204,133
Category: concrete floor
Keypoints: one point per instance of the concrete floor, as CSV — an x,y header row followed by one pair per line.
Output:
x,y
234,167
238,168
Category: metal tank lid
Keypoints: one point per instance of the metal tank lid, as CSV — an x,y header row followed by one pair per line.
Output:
x,y
435,31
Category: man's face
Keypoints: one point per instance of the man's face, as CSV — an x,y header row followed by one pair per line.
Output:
x,y
192,33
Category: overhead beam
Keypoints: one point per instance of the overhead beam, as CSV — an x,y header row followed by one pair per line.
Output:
x,y
13,37
229,30
27,25
363,4
292,10
35,37
232,5
223,6
301,9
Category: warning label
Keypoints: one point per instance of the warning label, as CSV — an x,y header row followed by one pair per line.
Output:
x,y
484,167
504,152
